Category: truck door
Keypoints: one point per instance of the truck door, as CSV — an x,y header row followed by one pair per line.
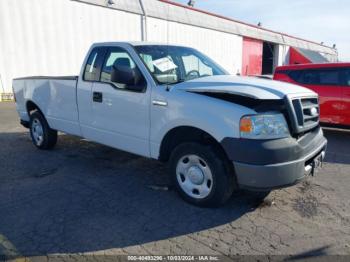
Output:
x,y
119,117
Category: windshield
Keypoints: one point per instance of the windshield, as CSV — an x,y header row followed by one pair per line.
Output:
x,y
173,64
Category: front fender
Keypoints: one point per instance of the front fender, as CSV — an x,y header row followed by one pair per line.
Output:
x,y
216,117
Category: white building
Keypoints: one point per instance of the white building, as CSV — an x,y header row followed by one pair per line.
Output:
x,y
51,37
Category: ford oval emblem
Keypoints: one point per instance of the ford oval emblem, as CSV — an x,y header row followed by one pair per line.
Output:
x,y
314,111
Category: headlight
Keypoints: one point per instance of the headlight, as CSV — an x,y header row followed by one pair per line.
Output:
x,y
269,126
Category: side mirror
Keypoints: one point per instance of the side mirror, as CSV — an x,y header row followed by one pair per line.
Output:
x,y
131,77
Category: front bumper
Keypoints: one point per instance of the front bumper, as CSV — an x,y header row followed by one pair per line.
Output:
x,y
271,164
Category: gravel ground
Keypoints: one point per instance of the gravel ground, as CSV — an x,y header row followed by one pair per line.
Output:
x,y
86,199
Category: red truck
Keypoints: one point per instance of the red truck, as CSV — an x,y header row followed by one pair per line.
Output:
x,y
332,83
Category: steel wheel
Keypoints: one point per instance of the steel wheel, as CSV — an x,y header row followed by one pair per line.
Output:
x,y
38,132
194,176
42,135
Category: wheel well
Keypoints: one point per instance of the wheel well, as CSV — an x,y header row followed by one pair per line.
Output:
x,y
185,134
31,106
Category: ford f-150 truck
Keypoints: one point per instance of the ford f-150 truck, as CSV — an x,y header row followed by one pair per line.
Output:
x,y
218,132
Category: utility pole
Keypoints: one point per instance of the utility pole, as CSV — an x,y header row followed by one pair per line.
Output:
x,y
144,22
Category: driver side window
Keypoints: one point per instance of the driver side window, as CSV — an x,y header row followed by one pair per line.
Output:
x,y
194,67
115,56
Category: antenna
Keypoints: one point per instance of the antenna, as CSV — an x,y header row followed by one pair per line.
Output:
x,y
167,36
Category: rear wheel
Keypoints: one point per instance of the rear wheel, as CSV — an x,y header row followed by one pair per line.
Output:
x,y
201,174
43,137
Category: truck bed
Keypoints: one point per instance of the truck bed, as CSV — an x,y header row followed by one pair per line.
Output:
x,y
47,78
54,95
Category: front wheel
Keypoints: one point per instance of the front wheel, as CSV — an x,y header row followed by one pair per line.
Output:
x,y
201,174
42,135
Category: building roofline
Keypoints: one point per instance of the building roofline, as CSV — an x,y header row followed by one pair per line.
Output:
x,y
182,14
237,21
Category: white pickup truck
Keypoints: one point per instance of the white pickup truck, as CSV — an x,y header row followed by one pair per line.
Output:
x,y
218,132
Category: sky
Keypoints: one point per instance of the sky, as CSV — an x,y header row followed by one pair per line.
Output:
x,y
325,21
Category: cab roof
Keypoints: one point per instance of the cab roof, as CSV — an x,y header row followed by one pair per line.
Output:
x,y
136,43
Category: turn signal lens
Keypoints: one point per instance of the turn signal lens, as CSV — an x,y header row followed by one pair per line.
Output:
x,y
246,125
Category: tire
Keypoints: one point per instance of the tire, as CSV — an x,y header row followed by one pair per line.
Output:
x,y
201,174
43,137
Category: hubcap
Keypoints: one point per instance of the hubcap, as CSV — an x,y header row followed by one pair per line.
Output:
x,y
194,176
37,132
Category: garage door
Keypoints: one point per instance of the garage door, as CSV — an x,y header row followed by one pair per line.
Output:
x,y
252,56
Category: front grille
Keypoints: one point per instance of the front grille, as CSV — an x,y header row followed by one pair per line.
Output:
x,y
307,110
304,114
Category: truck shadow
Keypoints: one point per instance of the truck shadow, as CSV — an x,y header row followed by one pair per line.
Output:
x,y
84,197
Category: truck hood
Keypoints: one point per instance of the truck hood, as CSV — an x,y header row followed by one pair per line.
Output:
x,y
245,86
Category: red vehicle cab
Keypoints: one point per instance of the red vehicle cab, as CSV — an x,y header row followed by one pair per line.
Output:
x,y
332,83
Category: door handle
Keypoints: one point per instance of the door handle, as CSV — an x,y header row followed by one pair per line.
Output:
x,y
97,97
159,103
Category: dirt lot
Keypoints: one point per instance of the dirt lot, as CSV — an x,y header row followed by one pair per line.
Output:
x,y
87,198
